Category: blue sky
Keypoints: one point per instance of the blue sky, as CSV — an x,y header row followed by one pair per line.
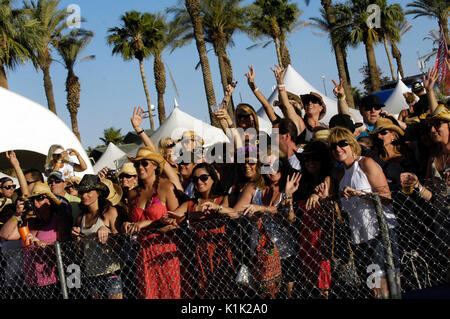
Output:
x,y
111,87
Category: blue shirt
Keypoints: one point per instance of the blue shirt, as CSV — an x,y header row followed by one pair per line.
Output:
x,y
369,129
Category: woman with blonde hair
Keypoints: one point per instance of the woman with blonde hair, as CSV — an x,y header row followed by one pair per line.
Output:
x,y
58,160
166,147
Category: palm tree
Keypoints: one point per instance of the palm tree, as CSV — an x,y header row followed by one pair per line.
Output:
x,y
193,8
220,19
403,28
51,22
134,40
17,35
112,135
436,9
70,49
332,15
391,18
275,19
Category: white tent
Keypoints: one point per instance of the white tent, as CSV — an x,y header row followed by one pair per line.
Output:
x,y
29,126
396,102
296,84
110,158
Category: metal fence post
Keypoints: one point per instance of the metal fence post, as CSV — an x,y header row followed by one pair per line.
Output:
x,y
385,239
62,274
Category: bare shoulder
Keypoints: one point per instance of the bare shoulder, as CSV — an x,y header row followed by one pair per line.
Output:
x,y
368,164
111,212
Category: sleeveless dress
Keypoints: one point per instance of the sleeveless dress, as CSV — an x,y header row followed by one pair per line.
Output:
x,y
157,263
99,259
362,215
214,255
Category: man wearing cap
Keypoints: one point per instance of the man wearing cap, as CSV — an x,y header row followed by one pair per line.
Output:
x,y
345,120
422,105
57,183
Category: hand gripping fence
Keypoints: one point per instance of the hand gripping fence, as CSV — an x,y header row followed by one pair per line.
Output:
x,y
364,254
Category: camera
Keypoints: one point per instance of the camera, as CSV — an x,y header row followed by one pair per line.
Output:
x,y
111,173
28,205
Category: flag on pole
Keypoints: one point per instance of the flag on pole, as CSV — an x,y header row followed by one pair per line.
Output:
x,y
441,65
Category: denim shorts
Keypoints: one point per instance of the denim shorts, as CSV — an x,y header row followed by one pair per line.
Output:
x,y
105,285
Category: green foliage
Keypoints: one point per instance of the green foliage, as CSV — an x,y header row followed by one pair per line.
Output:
x,y
112,135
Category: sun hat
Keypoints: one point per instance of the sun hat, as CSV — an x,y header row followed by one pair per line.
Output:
x,y
324,110
192,136
440,113
91,182
128,169
384,123
343,120
58,151
147,153
115,191
41,188
58,175
291,96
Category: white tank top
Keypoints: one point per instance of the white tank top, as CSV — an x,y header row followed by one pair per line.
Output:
x,y
362,215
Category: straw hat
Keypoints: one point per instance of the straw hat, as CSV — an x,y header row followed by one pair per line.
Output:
x,y
191,135
324,110
386,124
41,188
440,113
321,135
292,97
92,182
115,191
128,169
147,153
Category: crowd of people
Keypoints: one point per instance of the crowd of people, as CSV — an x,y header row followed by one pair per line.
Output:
x,y
182,206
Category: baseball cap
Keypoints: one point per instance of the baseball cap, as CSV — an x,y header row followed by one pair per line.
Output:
x,y
417,87
57,174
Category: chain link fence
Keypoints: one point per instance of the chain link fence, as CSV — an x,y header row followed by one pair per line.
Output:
x,y
345,249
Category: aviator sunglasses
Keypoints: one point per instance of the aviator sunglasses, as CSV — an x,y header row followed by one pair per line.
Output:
x,y
341,144
9,187
203,178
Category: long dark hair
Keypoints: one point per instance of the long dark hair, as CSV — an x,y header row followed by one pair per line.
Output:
x,y
103,206
216,188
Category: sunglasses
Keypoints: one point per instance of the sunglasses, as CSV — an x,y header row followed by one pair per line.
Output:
x,y
383,132
68,187
170,145
9,187
144,164
435,124
243,116
28,183
341,144
313,100
53,181
368,108
203,178
126,176
38,198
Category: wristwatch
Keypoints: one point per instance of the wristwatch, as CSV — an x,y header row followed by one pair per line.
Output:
x,y
284,196
220,208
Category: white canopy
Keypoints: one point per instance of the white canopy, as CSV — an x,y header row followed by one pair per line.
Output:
x,y
27,125
296,84
396,102
110,158
15,180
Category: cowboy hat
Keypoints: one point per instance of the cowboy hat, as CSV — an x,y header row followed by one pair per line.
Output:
x,y
321,135
147,153
41,188
128,169
191,135
370,101
440,113
91,182
321,102
292,97
115,191
384,123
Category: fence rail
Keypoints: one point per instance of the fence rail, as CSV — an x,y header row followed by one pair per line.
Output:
x,y
325,253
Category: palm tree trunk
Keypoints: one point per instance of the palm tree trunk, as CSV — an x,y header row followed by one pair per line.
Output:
x,y
277,48
391,66
340,55
160,83
3,78
147,95
73,101
226,72
444,23
193,8
372,65
285,55
398,58
48,86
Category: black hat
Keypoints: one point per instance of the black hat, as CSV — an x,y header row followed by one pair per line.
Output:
x,y
90,182
370,101
314,148
417,87
343,120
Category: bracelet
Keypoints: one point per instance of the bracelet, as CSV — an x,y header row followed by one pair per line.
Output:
x,y
140,132
17,220
281,85
342,97
281,89
284,196
220,208
255,90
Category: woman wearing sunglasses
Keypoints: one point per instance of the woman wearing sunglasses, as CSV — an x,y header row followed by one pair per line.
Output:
x,y
166,148
157,264
206,213
7,188
48,224
270,204
360,177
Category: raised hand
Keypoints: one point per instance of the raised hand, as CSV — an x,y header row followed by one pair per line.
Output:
x,y
138,116
430,78
338,90
292,183
250,76
279,73
11,156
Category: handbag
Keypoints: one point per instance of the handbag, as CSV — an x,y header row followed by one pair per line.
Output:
x,y
344,271
267,272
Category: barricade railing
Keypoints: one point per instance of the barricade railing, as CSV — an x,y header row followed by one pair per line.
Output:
x,y
342,249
